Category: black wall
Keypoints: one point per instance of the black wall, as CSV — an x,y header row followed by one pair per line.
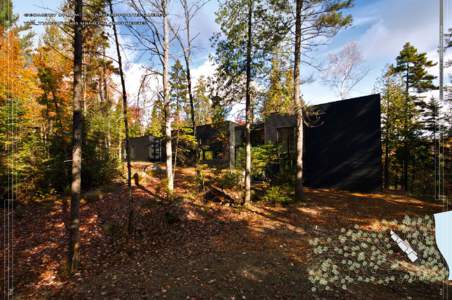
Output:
x,y
139,149
343,147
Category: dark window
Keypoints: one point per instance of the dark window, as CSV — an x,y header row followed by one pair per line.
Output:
x,y
155,150
257,137
286,138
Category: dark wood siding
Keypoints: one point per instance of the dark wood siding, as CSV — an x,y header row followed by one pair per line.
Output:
x,y
344,150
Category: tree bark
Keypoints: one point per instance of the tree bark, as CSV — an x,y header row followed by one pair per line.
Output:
x,y
299,191
126,123
74,232
187,58
405,127
248,108
166,100
386,165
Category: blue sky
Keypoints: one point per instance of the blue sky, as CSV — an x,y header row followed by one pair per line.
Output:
x,y
380,28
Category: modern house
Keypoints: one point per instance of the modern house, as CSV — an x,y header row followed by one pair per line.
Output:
x,y
342,147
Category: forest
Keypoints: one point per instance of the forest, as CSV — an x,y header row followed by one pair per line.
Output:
x,y
84,220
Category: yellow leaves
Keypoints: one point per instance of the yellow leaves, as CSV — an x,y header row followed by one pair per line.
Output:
x,y
17,79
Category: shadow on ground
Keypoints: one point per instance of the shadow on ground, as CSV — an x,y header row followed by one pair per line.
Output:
x,y
184,249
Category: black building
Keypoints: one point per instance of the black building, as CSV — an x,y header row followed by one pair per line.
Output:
x,y
342,147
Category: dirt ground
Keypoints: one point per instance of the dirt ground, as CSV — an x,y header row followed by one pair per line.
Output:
x,y
187,249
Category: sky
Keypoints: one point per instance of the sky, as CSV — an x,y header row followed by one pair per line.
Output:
x,y
380,28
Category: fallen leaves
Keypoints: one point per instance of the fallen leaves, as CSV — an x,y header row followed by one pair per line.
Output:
x,y
187,249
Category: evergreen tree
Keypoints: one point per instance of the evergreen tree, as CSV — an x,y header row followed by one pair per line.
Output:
x,y
392,108
77,121
412,66
242,47
7,17
314,19
178,94
202,104
155,127
278,98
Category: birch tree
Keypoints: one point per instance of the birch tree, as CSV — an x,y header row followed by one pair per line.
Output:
x,y
156,41
344,70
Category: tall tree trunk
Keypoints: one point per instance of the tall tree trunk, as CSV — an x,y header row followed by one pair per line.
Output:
x,y
126,123
405,127
187,58
299,192
386,165
248,107
59,115
74,232
435,162
166,100
58,112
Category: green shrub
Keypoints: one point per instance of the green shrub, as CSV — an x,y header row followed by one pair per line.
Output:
x,y
230,179
277,194
261,157
201,170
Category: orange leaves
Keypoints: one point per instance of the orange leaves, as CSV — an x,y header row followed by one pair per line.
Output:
x,y
17,78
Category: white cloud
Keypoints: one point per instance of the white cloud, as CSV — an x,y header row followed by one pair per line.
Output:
x,y
207,68
414,21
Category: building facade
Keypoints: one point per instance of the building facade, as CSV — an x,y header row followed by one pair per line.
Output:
x,y
342,143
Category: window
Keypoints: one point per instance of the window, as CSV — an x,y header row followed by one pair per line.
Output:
x,y
286,138
132,152
155,150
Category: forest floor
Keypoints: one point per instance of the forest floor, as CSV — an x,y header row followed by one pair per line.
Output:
x,y
188,249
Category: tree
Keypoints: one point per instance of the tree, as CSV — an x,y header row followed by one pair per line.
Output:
x,y
74,237
8,21
155,127
20,121
344,70
434,127
278,97
392,107
202,104
7,18
178,94
246,38
166,99
157,42
412,65
313,19
190,11
125,116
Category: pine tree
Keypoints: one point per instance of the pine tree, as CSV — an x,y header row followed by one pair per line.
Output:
x,y
74,236
392,108
313,19
242,48
412,66
278,98
155,127
202,103
178,95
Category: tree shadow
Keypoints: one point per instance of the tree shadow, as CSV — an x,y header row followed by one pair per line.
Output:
x,y
192,249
